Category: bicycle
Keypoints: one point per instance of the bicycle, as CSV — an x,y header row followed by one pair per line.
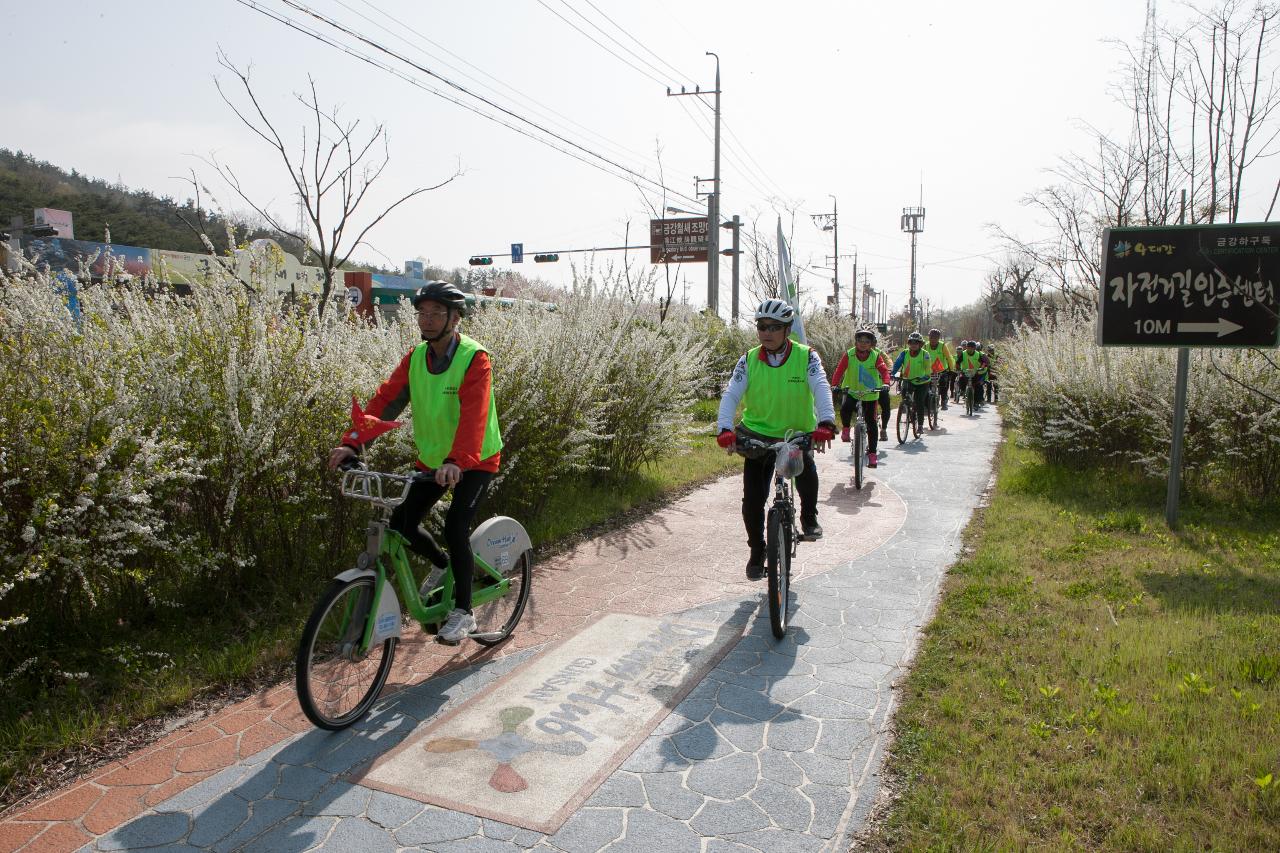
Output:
x,y
907,423
350,639
969,394
992,389
781,541
933,402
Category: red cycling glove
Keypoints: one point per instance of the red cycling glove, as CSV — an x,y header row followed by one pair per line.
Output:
x,y
725,439
823,434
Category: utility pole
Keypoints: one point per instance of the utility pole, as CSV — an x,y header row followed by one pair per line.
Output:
x,y
913,224
831,222
736,226
713,198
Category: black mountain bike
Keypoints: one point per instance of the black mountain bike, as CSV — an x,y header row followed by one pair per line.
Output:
x,y
781,536
907,423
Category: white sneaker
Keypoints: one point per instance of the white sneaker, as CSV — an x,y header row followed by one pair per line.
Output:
x,y
460,624
435,577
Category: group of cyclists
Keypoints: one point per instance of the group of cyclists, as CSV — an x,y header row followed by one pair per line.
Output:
x,y
783,388
780,384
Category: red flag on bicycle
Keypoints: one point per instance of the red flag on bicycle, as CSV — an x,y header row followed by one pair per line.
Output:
x,y
365,427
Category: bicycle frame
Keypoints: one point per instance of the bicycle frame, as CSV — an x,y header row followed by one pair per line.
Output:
x,y
387,548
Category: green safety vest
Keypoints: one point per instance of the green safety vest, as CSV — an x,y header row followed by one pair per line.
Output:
x,y
940,352
861,378
437,409
919,367
779,398
969,361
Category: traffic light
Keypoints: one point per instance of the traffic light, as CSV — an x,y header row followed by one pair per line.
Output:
x,y
480,261
545,259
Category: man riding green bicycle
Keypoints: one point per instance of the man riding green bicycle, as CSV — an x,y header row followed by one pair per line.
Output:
x,y
447,379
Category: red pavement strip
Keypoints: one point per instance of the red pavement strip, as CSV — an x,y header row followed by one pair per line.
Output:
x,y
687,554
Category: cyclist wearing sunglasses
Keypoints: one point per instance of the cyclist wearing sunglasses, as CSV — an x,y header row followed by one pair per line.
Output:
x,y
783,388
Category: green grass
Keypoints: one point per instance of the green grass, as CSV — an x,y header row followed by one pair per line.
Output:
x,y
206,652
1093,681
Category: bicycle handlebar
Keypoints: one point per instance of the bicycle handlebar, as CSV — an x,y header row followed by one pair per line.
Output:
x,y
802,440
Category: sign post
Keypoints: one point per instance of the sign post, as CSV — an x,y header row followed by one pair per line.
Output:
x,y
1189,286
678,241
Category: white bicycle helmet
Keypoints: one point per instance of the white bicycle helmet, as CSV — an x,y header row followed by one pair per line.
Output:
x,y
775,309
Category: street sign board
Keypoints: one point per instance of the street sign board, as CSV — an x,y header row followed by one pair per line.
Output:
x,y
678,241
1190,286
517,253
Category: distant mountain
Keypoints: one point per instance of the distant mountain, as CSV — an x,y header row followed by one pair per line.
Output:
x,y
135,217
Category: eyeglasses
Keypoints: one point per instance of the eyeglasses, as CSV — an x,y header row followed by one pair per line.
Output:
x,y
770,327
434,315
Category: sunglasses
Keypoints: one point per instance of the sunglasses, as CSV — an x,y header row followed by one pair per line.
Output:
x,y
770,327
433,315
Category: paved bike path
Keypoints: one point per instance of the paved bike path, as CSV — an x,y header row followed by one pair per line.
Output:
x,y
774,747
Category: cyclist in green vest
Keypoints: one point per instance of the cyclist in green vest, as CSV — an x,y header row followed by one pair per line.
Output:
x,y
447,379
916,367
862,374
938,347
971,359
783,388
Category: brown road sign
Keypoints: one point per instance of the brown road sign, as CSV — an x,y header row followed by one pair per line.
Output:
x,y
678,241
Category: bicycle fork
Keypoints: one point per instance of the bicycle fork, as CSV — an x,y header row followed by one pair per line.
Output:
x,y
375,617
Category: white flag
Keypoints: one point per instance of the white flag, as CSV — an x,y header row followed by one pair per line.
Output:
x,y
788,287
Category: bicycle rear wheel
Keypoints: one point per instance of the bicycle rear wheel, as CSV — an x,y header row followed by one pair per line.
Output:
x,y
496,619
859,441
778,558
905,417
336,684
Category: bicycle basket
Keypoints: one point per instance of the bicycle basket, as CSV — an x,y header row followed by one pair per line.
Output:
x,y
789,462
385,490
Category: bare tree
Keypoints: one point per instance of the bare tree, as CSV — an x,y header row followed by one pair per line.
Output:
x,y
1204,109
333,168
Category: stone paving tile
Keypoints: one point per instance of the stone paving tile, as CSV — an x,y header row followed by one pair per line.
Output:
x,y
758,756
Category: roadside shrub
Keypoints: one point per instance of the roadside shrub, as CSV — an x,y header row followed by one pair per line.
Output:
x,y
162,453
1085,404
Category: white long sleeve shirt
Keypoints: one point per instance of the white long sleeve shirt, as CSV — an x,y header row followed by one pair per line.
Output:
x,y
818,384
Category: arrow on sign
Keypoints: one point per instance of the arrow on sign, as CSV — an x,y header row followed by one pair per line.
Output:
x,y
1222,327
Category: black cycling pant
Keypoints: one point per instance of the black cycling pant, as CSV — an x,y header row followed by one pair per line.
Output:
x,y
407,519
919,399
884,407
869,408
944,385
757,481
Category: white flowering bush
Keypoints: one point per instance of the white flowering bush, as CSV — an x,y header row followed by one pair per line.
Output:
x,y
1085,404
163,452
831,335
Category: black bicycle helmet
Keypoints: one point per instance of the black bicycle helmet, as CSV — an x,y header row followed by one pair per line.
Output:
x,y
444,293
933,332
866,333
915,337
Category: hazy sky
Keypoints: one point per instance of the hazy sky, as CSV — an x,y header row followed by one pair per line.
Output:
x,y
853,99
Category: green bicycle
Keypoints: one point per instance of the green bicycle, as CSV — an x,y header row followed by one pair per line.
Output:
x,y
350,639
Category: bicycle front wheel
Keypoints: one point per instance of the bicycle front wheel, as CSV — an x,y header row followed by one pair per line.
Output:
x,y
859,440
905,418
933,410
496,619
336,684
778,551
968,399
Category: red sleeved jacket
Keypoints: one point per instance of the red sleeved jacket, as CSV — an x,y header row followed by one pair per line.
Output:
x,y
473,398
882,365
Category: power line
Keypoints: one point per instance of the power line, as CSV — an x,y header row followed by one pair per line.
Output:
x,y
598,29
598,44
680,74
251,4
538,105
